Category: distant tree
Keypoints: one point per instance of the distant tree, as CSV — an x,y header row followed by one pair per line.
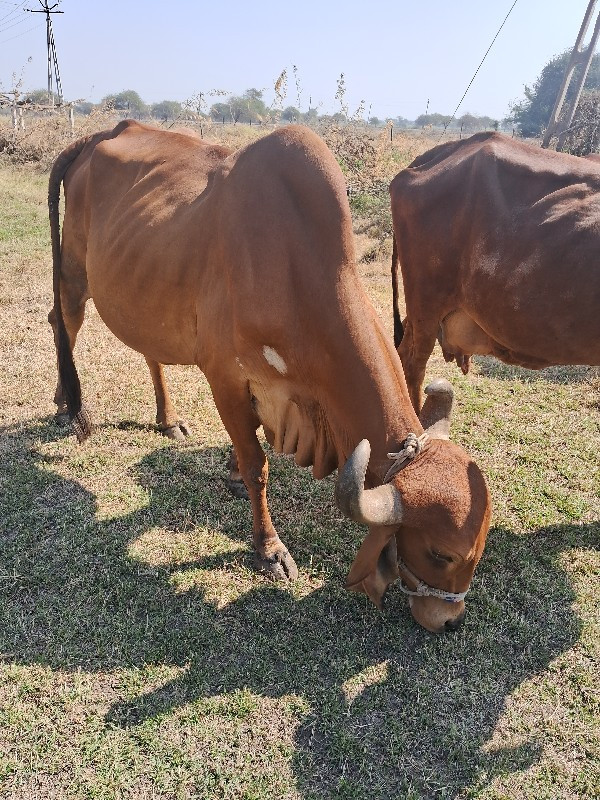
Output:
x,y
468,122
84,108
128,101
532,114
291,114
336,119
437,120
39,96
487,123
375,121
166,109
248,107
253,105
310,116
220,111
402,122
583,136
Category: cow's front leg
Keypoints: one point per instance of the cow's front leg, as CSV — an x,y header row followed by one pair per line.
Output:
x,y
271,556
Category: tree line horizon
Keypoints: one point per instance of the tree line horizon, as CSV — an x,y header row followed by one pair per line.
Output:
x,y
528,117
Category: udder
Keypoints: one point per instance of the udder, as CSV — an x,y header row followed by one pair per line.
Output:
x,y
460,337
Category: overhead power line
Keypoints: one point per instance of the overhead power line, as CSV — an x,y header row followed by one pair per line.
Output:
x,y
18,36
480,65
15,12
11,23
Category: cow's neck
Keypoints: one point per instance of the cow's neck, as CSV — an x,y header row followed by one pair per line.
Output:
x,y
369,398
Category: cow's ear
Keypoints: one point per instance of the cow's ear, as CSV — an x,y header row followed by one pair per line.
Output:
x,y
437,409
375,565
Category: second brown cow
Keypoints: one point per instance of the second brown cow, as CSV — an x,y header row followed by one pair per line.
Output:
x,y
498,242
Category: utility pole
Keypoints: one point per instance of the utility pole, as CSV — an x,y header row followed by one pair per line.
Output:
x,y
52,59
579,56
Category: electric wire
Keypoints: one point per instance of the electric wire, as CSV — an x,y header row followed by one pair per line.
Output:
x,y
16,11
479,67
13,23
18,36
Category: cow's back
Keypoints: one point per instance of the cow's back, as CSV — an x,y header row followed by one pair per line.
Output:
x,y
129,203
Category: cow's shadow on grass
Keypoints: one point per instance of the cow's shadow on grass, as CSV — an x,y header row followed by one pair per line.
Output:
x,y
493,368
387,709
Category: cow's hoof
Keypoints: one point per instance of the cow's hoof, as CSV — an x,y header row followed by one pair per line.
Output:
x,y
62,418
279,567
237,487
177,432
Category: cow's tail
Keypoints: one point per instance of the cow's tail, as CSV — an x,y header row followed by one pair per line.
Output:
x,y
67,372
398,328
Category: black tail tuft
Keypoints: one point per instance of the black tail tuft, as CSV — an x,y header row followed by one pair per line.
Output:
x,y
398,327
398,330
82,424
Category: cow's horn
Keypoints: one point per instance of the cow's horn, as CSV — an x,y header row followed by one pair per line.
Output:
x,y
437,409
379,506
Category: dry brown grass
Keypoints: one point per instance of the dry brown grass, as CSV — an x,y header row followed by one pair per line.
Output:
x,y
45,136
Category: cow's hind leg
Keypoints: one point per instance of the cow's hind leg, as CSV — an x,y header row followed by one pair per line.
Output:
x,y
167,418
235,482
414,350
234,405
173,427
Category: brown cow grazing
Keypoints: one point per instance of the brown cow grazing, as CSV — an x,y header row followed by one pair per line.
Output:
x,y
245,265
497,240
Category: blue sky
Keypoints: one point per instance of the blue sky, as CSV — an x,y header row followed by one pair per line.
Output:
x,y
394,55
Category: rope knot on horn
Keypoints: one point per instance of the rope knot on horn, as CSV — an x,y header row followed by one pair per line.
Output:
x,y
410,448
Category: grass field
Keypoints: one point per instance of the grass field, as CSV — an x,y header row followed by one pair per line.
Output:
x,y
142,658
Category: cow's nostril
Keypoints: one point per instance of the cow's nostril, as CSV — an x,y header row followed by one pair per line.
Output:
x,y
454,624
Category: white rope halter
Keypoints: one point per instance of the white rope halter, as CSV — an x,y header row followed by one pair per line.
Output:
x,y
424,590
412,447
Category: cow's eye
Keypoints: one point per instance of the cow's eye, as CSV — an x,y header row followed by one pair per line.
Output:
x,y
440,557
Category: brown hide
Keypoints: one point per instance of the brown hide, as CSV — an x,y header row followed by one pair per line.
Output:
x,y
497,240
244,264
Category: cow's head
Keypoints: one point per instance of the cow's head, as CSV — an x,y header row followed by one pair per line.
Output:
x,y
427,525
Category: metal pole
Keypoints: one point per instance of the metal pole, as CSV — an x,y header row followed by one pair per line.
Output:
x,y
49,48
47,10
579,56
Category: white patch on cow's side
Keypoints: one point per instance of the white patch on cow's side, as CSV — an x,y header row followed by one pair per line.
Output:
x,y
274,359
